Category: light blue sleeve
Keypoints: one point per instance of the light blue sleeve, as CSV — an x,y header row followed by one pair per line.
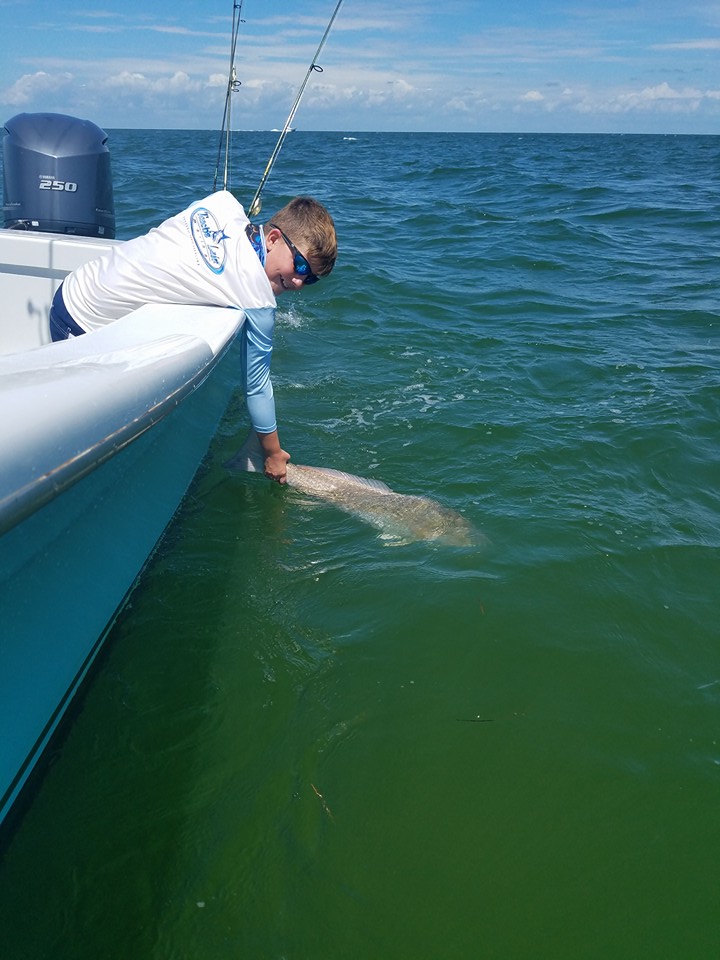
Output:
x,y
257,337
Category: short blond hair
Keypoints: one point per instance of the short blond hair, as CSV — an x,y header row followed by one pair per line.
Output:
x,y
311,228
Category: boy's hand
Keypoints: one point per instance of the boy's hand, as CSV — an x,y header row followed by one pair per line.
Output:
x,y
276,466
275,457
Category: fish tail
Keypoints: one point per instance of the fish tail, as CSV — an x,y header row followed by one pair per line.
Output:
x,y
249,457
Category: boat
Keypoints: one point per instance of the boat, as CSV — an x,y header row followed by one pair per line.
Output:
x,y
101,435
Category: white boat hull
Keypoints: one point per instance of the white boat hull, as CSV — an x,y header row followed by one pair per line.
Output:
x,y
101,437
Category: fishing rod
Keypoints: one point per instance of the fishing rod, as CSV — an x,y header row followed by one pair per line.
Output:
x,y
232,87
256,204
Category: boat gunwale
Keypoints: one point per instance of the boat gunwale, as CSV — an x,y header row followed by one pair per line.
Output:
x,y
199,337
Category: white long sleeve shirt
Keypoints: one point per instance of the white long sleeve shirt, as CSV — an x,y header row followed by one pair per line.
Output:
x,y
200,256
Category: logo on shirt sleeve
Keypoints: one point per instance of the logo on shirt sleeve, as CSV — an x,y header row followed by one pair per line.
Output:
x,y
209,239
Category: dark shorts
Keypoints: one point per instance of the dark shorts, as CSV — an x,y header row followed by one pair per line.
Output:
x,y
62,324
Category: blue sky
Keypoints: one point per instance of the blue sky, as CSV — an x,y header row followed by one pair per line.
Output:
x,y
647,66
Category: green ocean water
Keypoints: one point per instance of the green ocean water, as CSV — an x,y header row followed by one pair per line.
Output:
x,y
303,743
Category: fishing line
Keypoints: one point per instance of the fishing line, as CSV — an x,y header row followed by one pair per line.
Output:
x,y
232,87
256,204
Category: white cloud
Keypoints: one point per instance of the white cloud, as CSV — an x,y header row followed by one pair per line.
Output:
x,y
663,97
707,43
178,83
147,93
31,86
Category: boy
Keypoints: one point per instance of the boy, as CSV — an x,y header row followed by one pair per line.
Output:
x,y
211,254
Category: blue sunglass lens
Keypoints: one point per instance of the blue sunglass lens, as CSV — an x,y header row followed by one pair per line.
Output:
x,y
300,264
302,269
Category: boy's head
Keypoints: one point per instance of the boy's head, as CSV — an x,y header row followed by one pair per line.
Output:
x,y
302,227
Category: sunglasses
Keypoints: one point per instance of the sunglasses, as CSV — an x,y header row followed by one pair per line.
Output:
x,y
300,264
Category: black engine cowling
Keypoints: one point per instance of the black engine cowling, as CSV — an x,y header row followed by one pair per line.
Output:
x,y
57,176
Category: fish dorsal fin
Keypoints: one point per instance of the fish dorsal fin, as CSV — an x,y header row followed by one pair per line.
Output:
x,y
377,485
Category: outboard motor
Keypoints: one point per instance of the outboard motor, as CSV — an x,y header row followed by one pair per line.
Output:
x,y
57,176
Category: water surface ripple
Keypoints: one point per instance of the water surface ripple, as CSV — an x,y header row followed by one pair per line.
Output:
x,y
306,744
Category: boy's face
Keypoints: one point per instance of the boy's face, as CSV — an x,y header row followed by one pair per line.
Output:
x,y
280,264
